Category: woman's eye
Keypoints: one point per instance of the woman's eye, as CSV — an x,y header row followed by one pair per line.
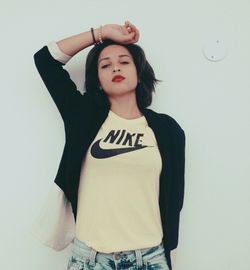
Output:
x,y
124,62
104,66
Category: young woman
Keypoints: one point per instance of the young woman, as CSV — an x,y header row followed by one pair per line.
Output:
x,y
122,168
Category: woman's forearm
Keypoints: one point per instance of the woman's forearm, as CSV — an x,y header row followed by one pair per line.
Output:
x,y
73,44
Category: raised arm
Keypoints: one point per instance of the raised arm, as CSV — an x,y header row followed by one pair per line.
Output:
x,y
73,44
123,34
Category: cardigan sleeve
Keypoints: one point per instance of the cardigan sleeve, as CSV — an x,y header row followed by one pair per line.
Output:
x,y
49,61
57,53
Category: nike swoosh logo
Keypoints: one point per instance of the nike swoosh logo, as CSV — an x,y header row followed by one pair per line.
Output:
x,y
98,152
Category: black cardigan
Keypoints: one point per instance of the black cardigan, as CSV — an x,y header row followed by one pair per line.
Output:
x,y
82,119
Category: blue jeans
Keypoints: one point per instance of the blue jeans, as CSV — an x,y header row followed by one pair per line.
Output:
x,y
84,257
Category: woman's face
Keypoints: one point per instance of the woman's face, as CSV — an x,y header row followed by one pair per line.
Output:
x,y
117,60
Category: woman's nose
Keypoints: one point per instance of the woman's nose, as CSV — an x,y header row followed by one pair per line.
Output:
x,y
118,69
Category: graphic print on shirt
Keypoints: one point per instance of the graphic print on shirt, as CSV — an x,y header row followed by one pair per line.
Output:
x,y
120,137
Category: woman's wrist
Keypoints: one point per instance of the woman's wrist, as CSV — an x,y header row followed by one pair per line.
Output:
x,y
100,32
104,32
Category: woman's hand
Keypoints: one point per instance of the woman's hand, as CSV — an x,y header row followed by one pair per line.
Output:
x,y
123,34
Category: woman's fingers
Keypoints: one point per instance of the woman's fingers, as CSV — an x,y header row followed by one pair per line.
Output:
x,y
131,28
135,30
136,34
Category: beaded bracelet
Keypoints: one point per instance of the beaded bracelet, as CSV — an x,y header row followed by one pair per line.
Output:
x,y
99,36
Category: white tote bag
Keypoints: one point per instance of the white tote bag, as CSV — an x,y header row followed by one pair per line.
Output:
x,y
55,224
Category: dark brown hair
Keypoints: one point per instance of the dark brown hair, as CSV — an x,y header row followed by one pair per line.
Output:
x,y
145,73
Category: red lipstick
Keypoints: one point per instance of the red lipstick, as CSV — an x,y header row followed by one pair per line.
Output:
x,y
117,78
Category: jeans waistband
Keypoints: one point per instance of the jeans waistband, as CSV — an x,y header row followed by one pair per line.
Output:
x,y
143,251
89,254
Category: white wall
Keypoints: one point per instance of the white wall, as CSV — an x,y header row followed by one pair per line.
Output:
x,y
209,99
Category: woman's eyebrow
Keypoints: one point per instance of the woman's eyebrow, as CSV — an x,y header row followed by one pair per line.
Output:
x,y
109,57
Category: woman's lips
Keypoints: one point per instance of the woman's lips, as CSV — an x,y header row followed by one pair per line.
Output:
x,y
118,78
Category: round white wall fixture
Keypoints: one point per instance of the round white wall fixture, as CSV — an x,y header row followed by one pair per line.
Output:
x,y
214,50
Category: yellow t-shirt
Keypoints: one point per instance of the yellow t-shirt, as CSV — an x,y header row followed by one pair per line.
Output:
x,y
118,196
